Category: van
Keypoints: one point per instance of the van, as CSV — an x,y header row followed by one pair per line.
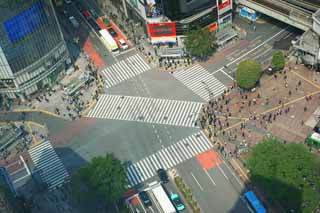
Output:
x,y
74,22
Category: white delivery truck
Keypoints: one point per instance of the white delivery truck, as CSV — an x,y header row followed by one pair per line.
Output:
x,y
162,199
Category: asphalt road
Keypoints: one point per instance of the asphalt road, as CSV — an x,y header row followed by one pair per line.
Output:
x,y
79,141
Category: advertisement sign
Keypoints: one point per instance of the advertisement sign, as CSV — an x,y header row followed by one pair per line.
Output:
x,y
164,32
248,13
153,10
213,27
223,3
162,29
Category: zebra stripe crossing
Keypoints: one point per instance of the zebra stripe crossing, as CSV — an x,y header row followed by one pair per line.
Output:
x,y
200,81
149,110
124,70
49,165
167,158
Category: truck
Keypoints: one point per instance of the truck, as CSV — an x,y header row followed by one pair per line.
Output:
x,y
74,22
162,199
108,41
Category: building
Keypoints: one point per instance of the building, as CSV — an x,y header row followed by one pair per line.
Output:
x,y
32,48
164,21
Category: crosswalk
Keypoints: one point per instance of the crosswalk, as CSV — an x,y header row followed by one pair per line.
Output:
x,y
168,157
200,81
49,165
124,70
148,110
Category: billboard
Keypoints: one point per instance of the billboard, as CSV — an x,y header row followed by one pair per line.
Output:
x,y
25,22
164,32
153,8
223,3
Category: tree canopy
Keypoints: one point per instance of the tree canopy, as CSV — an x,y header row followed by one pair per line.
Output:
x,y
278,60
200,42
248,74
102,181
287,173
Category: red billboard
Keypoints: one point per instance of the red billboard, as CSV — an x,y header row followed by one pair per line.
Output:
x,y
223,3
163,29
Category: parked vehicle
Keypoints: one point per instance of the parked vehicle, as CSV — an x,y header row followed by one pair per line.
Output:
x,y
177,202
122,44
112,32
67,1
145,198
74,22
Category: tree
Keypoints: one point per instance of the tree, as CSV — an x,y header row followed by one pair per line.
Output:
x,y
100,182
287,173
248,74
9,203
200,42
278,60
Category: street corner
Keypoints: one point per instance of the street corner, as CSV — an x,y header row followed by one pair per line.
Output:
x,y
208,160
89,48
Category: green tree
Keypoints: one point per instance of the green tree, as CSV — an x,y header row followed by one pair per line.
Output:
x,y
287,173
200,42
100,182
278,60
248,74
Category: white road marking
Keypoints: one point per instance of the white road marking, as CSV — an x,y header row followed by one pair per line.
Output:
x,y
201,188
205,171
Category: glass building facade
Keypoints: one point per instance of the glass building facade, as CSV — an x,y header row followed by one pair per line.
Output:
x,y
32,48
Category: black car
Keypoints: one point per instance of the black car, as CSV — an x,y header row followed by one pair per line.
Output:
x,y
145,198
112,32
94,24
163,175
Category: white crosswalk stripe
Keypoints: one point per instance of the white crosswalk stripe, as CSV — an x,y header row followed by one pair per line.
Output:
x,y
168,157
200,81
149,110
49,165
124,70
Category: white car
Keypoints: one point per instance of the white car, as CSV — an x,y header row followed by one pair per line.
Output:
x,y
68,1
123,45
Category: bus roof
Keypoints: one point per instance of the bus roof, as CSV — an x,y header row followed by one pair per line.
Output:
x,y
107,37
255,203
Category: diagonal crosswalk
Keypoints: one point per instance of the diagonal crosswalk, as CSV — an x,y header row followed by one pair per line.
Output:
x,y
49,165
200,81
149,110
124,70
168,157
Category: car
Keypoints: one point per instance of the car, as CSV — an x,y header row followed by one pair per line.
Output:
x,y
86,13
177,202
112,32
163,175
94,24
145,198
67,1
122,44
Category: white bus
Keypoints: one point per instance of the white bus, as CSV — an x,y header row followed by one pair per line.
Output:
x,y
162,198
109,42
